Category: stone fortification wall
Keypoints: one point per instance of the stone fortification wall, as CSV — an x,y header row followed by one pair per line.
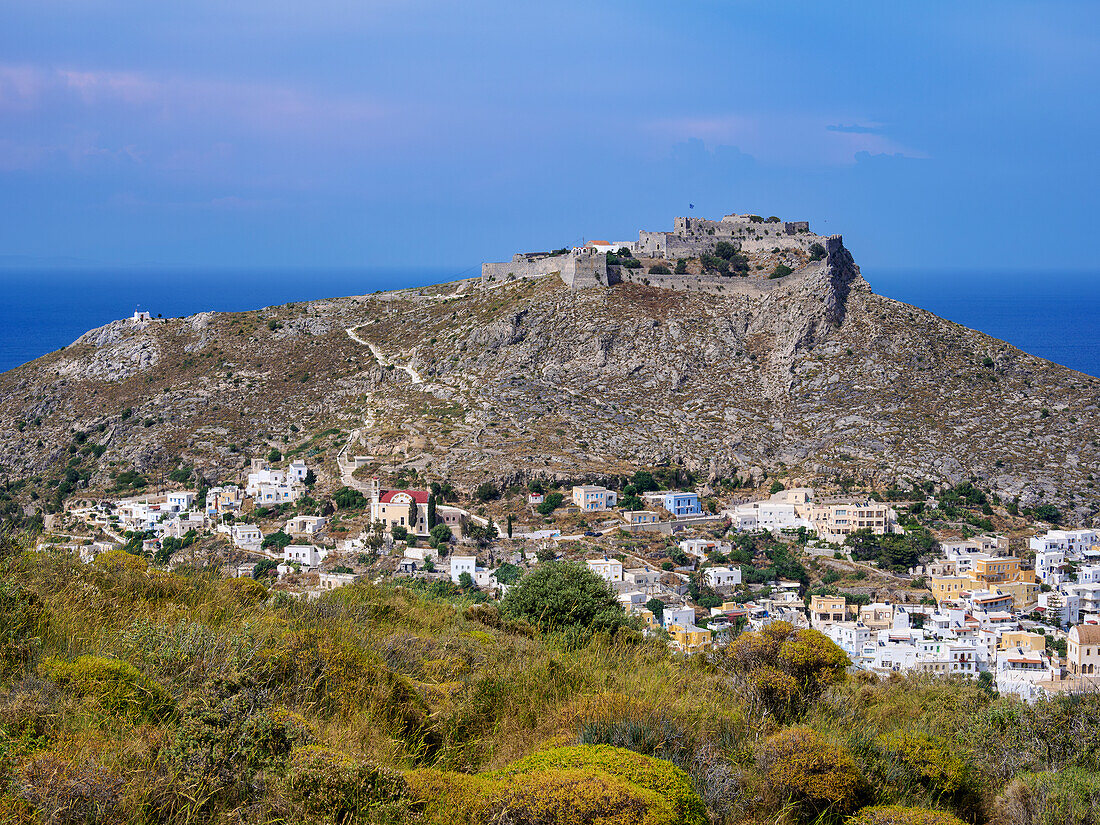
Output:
x,y
578,269
523,267
692,237
588,270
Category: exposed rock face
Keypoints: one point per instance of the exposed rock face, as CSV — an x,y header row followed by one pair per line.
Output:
x,y
813,377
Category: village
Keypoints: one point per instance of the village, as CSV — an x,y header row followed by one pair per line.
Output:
x,y
694,567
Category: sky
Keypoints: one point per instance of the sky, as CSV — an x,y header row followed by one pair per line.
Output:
x,y
432,133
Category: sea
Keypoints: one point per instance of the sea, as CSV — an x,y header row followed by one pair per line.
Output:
x,y
1054,315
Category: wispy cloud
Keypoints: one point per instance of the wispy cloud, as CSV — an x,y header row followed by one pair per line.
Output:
x,y
788,139
855,128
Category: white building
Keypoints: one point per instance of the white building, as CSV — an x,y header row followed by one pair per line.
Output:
x,y
463,564
246,536
683,617
770,515
722,576
610,570
305,525
269,487
297,471
849,636
700,547
1074,542
644,579
306,555
331,581
180,501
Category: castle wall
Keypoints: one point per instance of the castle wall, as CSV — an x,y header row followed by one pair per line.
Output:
x,y
521,267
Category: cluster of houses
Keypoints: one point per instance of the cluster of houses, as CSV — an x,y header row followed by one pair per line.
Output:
x,y
831,519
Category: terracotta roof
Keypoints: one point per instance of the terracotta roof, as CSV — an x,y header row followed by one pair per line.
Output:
x,y
1087,634
593,243
421,496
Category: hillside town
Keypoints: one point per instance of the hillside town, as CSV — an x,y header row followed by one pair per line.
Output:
x,y
694,566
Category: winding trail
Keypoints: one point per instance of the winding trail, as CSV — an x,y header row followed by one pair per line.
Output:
x,y
377,353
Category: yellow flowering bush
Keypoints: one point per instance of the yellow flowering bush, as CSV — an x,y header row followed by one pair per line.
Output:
x,y
815,774
900,815
580,785
657,775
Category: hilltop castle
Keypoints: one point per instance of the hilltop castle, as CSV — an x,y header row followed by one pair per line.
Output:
x,y
585,266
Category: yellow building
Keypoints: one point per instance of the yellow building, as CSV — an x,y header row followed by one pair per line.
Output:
x,y
689,639
950,587
827,610
1021,638
995,570
1025,594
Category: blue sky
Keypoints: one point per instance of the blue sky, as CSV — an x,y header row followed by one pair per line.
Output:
x,y
384,132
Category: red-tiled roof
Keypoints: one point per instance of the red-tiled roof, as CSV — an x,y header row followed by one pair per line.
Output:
x,y
421,496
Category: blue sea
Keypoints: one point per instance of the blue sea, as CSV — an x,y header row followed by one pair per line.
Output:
x,y
1052,315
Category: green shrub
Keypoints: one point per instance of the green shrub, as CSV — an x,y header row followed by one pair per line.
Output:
x,y
659,269
550,503
1066,797
118,686
817,251
565,597
780,271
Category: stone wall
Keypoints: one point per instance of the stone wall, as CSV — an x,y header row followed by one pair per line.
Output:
x,y
522,267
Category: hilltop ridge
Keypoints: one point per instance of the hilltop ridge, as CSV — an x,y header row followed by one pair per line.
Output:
x,y
808,376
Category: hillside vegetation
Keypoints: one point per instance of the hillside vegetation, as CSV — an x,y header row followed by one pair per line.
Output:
x,y
133,695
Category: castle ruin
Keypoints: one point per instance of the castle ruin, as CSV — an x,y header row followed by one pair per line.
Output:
x,y
587,266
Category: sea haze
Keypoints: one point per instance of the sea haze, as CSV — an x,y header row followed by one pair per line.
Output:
x,y
1052,315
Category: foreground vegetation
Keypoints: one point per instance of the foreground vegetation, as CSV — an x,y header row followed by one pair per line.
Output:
x,y
133,695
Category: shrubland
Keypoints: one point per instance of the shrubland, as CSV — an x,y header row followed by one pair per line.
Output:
x,y
133,695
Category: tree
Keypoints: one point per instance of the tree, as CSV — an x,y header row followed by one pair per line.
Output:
x,y
780,271
550,503
466,581
279,540
509,525
347,498
817,252
399,533
431,512
681,267
507,573
1049,513
656,607
264,567
274,456
441,533
487,491
568,598
310,479
414,515
644,482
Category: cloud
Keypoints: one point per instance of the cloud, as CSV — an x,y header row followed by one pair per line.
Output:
x,y
855,129
784,139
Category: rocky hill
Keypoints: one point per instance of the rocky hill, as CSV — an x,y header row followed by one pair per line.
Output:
x,y
814,379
